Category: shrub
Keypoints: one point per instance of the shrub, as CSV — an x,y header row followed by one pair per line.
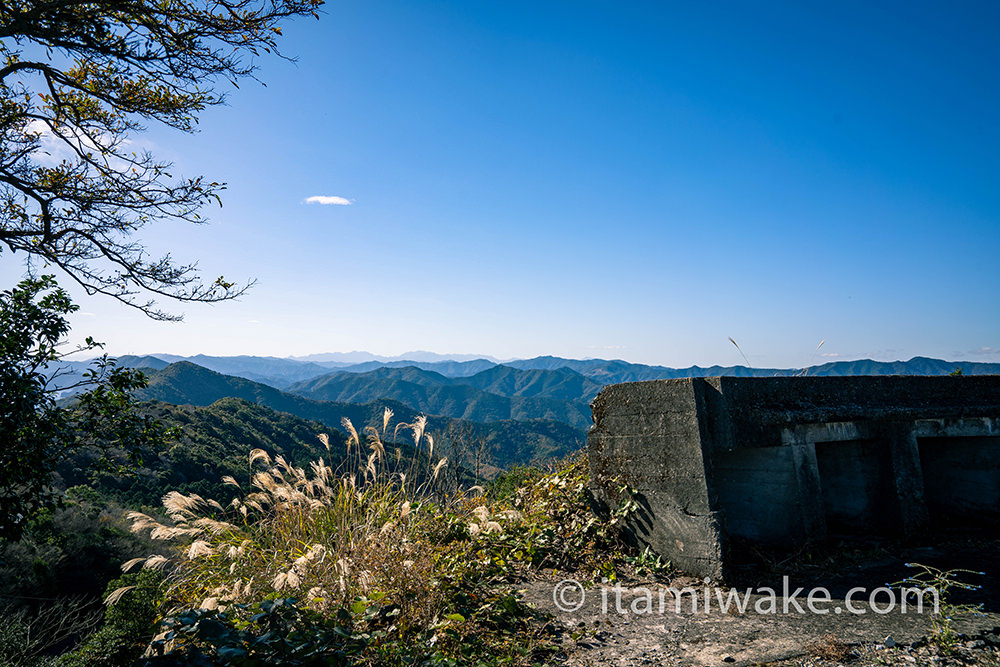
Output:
x,y
509,481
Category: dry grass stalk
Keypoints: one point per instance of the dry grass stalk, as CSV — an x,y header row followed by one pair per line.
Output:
x,y
326,535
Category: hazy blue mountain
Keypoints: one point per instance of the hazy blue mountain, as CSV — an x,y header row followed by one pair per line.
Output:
x,y
281,373
430,357
146,361
66,374
915,366
339,358
356,357
404,373
452,369
613,371
185,383
273,371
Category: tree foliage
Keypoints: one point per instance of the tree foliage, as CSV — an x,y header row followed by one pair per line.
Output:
x,y
78,78
35,432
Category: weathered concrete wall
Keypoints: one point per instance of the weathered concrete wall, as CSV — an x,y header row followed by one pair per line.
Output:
x,y
778,461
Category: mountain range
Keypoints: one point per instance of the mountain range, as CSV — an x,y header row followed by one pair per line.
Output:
x,y
357,357
509,441
500,392
525,409
284,372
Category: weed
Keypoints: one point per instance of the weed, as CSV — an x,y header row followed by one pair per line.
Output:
x,y
648,563
943,583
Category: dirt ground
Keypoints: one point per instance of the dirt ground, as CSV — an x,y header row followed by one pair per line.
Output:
x,y
625,623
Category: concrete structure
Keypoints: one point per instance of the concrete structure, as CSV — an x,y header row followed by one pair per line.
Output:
x,y
784,460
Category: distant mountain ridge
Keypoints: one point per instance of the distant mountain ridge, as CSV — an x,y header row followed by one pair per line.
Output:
x,y
282,373
357,357
448,368
273,371
614,371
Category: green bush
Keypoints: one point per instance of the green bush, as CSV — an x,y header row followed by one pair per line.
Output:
x,y
507,482
128,623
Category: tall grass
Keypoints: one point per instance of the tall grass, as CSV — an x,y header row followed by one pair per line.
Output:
x,y
376,547
322,535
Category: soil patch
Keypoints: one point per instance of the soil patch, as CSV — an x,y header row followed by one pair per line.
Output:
x,y
639,622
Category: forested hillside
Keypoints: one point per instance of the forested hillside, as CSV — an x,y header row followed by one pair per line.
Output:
x,y
210,442
508,441
499,393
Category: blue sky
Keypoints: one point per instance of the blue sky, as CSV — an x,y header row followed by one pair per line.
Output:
x,y
588,179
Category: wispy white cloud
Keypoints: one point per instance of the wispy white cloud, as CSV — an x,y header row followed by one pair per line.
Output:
x,y
829,354
329,200
985,351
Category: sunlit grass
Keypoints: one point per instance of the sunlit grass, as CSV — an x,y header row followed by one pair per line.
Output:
x,y
378,548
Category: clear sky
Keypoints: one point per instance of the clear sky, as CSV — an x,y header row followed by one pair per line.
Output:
x,y
596,179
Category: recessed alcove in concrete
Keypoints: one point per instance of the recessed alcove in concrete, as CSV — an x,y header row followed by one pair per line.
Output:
x,y
962,482
781,461
855,478
742,477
